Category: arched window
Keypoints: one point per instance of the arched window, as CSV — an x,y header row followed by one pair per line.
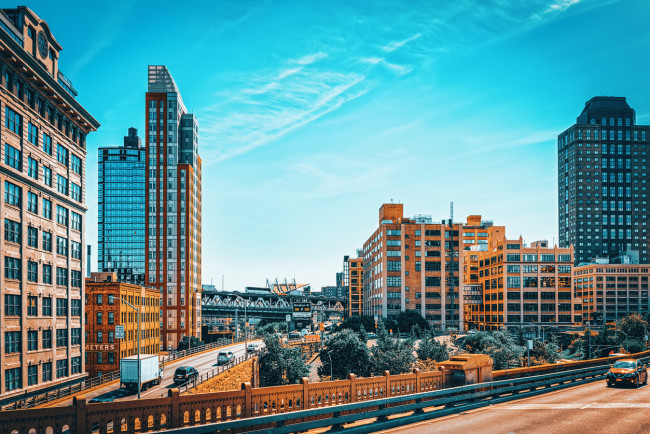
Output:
x,y
592,121
627,122
611,122
604,122
620,122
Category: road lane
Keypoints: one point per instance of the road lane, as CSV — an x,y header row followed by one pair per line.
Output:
x,y
590,408
202,362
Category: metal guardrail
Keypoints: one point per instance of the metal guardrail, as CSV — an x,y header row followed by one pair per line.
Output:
x,y
62,392
214,372
473,396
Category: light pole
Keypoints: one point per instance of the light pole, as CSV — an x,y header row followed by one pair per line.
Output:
x,y
625,344
331,375
245,327
137,312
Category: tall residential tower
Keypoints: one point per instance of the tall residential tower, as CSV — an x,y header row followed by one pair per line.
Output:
x,y
173,203
42,208
602,182
121,211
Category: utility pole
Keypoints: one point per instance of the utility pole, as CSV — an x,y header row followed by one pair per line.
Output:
x,y
245,326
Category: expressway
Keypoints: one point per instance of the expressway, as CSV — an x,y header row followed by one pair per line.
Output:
x,y
589,408
202,362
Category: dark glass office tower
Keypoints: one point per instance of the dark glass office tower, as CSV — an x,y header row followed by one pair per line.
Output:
x,y
603,181
122,188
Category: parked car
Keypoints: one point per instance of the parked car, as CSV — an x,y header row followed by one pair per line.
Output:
x,y
183,374
294,335
371,335
99,400
627,371
225,357
252,348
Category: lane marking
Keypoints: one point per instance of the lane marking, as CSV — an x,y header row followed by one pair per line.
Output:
x,y
575,406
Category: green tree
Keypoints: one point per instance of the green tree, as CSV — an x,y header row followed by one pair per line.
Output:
x,y
186,343
279,364
410,318
270,328
543,352
355,323
633,325
348,355
391,354
431,349
498,345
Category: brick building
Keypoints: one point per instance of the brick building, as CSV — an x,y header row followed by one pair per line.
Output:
x,y
354,276
525,285
611,291
42,205
105,310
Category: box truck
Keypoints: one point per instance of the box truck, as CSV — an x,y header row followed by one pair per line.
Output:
x,y
150,372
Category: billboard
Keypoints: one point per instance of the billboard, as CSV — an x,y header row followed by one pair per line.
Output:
x,y
301,309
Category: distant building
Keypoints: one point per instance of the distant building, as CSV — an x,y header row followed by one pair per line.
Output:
x,y
609,292
603,181
354,278
105,310
333,292
121,222
525,285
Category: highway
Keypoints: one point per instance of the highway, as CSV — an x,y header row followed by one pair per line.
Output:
x,y
203,362
589,408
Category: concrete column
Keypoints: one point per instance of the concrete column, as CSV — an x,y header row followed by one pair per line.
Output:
x,y
353,387
387,379
305,393
247,411
79,403
175,408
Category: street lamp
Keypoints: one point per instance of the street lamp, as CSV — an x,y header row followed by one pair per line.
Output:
x,y
625,344
137,312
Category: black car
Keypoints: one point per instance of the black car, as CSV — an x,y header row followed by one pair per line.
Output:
x,y
184,374
100,400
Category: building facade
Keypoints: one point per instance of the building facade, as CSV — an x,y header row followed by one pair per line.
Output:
x,y
105,309
42,170
602,182
609,292
173,203
413,264
525,286
334,292
354,270
121,213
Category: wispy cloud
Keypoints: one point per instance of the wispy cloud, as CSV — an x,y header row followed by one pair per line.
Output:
x,y
395,45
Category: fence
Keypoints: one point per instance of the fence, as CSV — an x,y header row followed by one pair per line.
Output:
x,y
89,383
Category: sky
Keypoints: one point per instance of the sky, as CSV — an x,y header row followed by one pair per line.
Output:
x,y
314,113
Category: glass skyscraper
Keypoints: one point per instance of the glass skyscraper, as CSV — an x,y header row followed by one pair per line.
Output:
x,y
122,189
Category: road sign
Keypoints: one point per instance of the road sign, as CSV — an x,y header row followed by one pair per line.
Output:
x,y
301,309
288,317
119,331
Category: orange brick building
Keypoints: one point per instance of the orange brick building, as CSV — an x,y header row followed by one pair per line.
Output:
x,y
354,269
525,285
105,310
611,291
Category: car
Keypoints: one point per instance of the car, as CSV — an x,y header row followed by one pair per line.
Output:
x,y
627,371
100,399
294,335
252,348
225,357
371,335
183,374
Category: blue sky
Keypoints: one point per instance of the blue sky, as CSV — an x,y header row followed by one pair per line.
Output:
x,y
314,113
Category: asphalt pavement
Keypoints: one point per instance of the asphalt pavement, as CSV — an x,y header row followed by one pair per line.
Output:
x,y
202,362
590,408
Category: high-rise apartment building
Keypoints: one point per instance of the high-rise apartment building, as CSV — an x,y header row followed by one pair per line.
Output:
x,y
121,214
525,286
354,276
413,264
42,206
603,181
173,203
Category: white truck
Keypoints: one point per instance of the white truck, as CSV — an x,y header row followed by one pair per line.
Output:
x,y
150,372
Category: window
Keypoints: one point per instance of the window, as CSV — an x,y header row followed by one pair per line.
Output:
x,y
47,339
62,246
75,221
47,370
75,278
111,299
75,164
12,305
61,276
47,305
75,339
12,342
61,215
564,258
75,191
111,337
12,379
75,307
75,249
99,318
32,375
61,307
12,232
62,338
32,340
12,268
62,154
76,365
47,274
47,209
12,157
32,272
110,317
32,134
513,282
32,237
47,241
100,299
13,121
62,368
100,337
32,202
13,194
47,144
32,305
32,168
512,257
62,184
47,176
99,358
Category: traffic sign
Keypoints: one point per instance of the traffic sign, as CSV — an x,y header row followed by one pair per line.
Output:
x,y
119,331
288,317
